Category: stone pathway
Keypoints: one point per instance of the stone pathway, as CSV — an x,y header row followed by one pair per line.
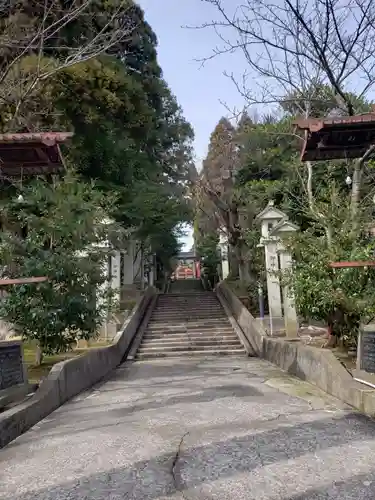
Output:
x,y
183,429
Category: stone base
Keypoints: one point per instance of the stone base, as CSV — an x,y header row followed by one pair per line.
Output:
x,y
113,325
364,377
274,327
15,394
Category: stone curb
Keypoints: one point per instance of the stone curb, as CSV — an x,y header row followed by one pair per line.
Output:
x,y
243,338
141,330
317,366
69,378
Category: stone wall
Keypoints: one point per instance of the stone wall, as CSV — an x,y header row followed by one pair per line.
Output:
x,y
68,378
317,366
246,321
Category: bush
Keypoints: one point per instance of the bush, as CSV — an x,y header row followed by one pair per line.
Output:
x,y
342,297
62,231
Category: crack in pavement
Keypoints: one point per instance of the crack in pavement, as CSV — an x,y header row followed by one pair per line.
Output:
x,y
176,481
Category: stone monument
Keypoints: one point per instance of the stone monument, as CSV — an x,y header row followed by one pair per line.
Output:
x,y
365,368
13,375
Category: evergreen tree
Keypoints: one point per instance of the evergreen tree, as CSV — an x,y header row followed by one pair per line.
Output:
x,y
130,135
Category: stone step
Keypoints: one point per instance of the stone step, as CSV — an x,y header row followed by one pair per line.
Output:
x,y
191,312
191,299
188,317
187,346
184,307
172,307
220,327
190,353
191,331
167,299
189,295
191,335
199,303
190,325
189,320
186,343
187,303
197,308
180,297
181,322
194,335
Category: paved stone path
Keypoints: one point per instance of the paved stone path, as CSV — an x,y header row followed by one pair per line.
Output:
x,y
201,429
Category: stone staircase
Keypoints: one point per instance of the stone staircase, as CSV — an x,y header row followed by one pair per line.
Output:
x,y
188,322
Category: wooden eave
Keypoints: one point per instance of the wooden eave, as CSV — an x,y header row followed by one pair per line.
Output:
x,y
337,138
31,154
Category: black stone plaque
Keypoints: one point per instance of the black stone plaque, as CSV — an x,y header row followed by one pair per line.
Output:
x,y
368,350
11,367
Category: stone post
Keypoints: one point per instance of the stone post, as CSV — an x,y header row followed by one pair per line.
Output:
x,y
116,275
290,313
128,270
273,283
268,219
286,228
223,243
151,276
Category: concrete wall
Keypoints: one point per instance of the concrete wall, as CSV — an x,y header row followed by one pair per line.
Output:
x,y
68,378
317,366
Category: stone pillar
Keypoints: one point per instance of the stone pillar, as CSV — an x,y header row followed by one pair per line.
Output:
x,y
290,313
137,264
223,244
128,270
273,283
151,275
116,275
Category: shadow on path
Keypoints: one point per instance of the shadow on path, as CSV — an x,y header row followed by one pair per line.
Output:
x,y
224,458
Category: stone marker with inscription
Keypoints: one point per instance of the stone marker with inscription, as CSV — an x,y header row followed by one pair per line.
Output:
x,y
13,375
365,369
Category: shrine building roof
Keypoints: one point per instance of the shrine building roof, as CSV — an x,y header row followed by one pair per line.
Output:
x,y
28,154
337,137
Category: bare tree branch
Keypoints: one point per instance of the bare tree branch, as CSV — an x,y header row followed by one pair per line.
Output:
x,y
293,48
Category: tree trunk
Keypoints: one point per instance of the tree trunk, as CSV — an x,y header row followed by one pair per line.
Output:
x,y
357,180
356,188
38,355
